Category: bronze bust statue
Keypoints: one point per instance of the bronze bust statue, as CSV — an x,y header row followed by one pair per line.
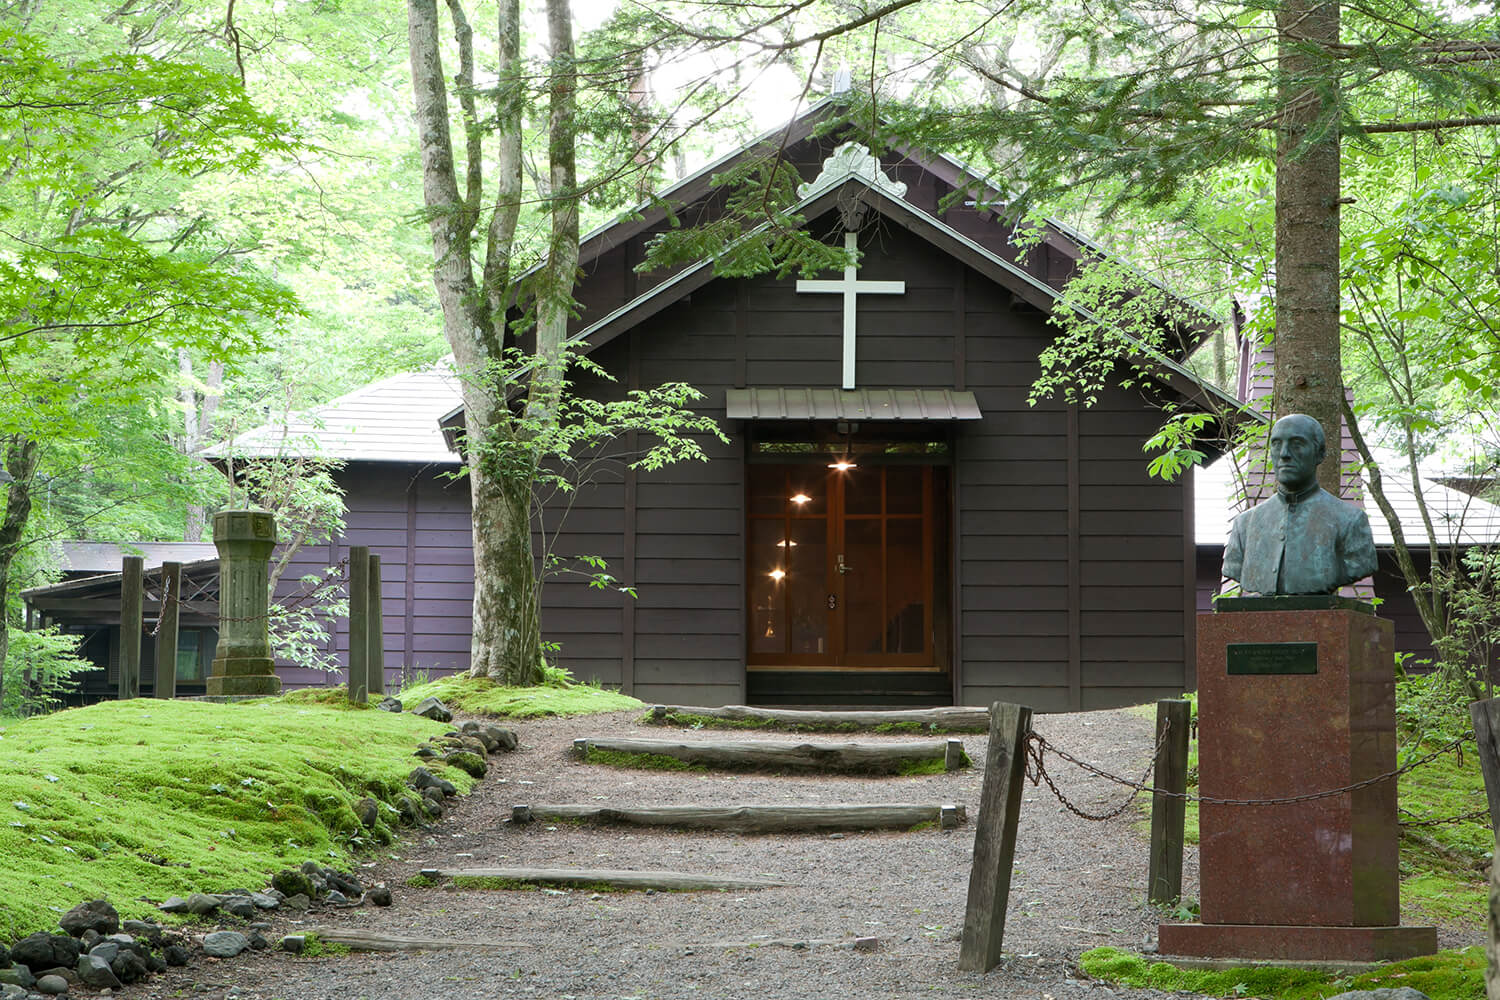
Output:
x,y
1303,540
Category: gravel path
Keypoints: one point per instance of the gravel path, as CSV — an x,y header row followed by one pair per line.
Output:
x,y
1077,885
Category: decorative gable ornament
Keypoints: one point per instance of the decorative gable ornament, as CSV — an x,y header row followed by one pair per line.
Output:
x,y
852,160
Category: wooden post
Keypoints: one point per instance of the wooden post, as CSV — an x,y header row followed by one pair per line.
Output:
x,y
166,631
1168,807
375,658
359,623
1486,716
995,837
131,571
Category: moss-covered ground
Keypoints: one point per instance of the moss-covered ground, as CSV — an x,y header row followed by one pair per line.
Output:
x,y
1449,975
558,697
140,800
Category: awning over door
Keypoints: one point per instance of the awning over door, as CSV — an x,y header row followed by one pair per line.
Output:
x,y
850,404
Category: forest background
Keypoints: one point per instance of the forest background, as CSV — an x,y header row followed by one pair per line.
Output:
x,y
213,216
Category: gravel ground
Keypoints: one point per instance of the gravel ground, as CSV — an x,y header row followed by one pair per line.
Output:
x,y
1077,885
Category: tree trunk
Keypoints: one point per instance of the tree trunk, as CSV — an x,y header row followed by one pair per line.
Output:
x,y
1309,372
21,454
506,627
507,624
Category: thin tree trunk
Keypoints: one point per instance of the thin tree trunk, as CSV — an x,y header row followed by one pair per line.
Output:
x,y
21,455
1309,372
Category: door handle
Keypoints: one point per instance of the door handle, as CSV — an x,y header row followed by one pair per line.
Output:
x,y
843,567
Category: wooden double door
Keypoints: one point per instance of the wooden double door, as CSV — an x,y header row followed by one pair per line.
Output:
x,y
847,567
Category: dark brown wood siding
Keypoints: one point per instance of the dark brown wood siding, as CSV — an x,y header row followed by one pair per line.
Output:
x,y
1050,611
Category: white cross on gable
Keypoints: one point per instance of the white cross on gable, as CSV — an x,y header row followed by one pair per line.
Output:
x,y
850,287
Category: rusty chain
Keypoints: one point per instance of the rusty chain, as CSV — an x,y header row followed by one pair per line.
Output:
x,y
1037,746
1036,770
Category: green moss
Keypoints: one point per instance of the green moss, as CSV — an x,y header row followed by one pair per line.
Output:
x,y
934,765
139,800
651,761
315,947
481,696
329,697
1449,975
422,882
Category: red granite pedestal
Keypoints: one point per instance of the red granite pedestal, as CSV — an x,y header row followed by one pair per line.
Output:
x,y
1291,703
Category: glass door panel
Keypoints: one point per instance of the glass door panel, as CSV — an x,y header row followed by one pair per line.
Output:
x,y
862,577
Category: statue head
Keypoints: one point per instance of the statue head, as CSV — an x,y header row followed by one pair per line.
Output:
x,y
1297,448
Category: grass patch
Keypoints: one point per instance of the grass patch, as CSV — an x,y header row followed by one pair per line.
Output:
x,y
482,696
650,761
336,696
315,947
933,765
1448,975
144,799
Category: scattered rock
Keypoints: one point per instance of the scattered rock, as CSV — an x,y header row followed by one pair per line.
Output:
x,y
156,963
367,810
506,738
143,929
225,944
389,704
293,943
291,882
240,906
423,779
173,904
34,952
309,868
89,938
432,708
1384,993
129,967
10,991
265,901
175,955
470,763
258,941
52,985
343,882
297,901
126,942
105,951
334,896
4,957
378,896
427,751
202,904
18,975
67,975
432,801
97,915
411,812
94,970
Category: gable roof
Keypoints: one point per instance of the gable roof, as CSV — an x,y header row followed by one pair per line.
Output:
x,y
1457,518
393,420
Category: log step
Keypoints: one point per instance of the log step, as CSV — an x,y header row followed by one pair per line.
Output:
x,y
755,818
666,881
953,719
787,754
358,940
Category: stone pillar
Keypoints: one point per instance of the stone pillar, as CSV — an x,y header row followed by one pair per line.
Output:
x,y
1297,697
242,660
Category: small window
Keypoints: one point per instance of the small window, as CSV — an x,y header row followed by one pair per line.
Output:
x,y
189,655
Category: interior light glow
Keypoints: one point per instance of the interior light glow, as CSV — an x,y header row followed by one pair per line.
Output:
x,y
786,543
801,498
777,574
843,465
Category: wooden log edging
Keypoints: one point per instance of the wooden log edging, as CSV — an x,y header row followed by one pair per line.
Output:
x,y
358,940
784,753
754,818
666,881
956,719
